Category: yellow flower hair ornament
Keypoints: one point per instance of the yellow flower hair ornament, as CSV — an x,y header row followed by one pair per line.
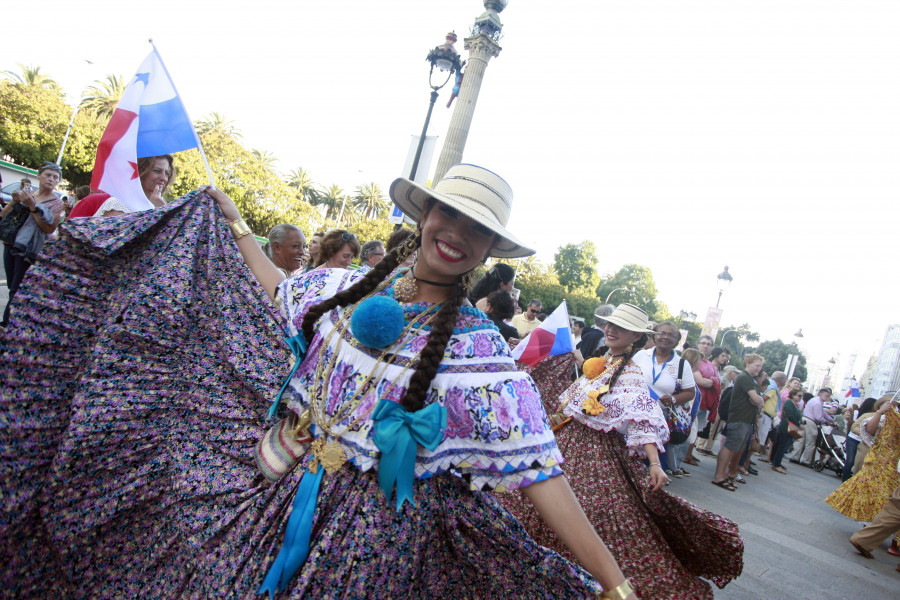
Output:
x,y
592,405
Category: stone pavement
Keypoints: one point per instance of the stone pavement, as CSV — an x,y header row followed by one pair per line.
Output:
x,y
795,545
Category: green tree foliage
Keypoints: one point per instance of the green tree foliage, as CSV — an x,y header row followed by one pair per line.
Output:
x,y
537,280
369,201
33,122
300,180
102,97
641,291
218,124
366,230
332,200
776,353
264,200
576,266
32,76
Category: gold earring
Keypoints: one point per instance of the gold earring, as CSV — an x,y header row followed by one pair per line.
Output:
x,y
629,348
467,280
410,245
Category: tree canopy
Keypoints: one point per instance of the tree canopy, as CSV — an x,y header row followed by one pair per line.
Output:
x,y
640,290
576,267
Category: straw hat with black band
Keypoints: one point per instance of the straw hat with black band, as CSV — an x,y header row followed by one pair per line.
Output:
x,y
630,317
474,191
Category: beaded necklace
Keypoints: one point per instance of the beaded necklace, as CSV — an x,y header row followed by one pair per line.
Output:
x,y
330,453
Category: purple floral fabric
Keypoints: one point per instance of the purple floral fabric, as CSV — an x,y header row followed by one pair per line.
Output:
x,y
141,359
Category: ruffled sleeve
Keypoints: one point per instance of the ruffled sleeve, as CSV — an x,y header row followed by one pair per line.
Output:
x,y
295,295
865,436
629,409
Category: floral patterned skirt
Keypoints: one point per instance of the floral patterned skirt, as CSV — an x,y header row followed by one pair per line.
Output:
x,y
133,383
662,543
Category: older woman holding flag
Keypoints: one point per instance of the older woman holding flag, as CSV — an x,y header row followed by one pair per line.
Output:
x,y
605,424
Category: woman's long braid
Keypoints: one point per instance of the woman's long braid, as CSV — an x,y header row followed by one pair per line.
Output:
x,y
358,290
444,322
635,348
430,358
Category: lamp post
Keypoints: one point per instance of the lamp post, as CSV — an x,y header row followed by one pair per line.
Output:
x,y
723,280
446,59
609,295
722,341
482,45
799,333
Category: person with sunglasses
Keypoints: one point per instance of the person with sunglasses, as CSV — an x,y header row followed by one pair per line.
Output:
x,y
527,322
338,249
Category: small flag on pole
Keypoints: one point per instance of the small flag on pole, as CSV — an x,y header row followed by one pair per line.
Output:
x,y
150,120
853,392
552,337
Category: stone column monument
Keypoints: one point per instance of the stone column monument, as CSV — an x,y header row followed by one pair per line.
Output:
x,y
482,46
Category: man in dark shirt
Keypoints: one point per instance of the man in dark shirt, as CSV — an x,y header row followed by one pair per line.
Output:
x,y
745,402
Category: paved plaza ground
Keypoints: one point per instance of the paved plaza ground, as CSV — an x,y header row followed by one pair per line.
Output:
x,y
795,545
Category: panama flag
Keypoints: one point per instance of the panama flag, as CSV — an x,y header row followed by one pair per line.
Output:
x,y
552,337
150,120
853,392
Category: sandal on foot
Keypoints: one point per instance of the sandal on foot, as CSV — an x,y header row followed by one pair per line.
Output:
x,y
740,479
781,470
691,461
724,484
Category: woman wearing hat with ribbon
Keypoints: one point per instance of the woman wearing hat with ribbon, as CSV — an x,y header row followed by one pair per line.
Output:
x,y
413,408
606,423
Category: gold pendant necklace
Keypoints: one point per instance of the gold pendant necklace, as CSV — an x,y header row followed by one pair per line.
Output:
x,y
406,289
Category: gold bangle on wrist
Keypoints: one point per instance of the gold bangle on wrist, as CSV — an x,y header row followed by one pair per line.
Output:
x,y
239,229
620,592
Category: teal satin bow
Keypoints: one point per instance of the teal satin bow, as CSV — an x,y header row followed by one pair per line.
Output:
x,y
397,432
297,344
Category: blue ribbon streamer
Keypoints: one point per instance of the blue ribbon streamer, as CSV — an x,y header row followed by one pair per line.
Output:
x,y
397,432
297,344
295,547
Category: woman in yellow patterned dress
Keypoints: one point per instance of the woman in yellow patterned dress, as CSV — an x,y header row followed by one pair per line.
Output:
x,y
864,494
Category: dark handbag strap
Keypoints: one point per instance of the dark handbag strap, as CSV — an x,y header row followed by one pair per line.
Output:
x,y
680,369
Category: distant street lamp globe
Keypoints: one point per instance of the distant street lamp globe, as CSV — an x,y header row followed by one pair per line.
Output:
x,y
723,280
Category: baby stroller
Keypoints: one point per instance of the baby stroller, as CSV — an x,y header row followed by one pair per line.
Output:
x,y
830,454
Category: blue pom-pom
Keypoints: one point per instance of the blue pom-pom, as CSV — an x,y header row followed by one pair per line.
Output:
x,y
377,322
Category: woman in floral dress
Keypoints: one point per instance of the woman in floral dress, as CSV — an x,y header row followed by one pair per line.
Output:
x,y
145,491
663,543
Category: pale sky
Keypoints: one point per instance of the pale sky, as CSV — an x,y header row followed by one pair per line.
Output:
x,y
684,136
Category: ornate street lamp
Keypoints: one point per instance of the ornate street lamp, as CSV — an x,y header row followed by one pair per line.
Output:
x,y
685,315
445,59
723,280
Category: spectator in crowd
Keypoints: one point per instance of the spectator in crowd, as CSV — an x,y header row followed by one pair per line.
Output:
x,y
499,277
592,337
687,413
397,238
790,415
707,380
745,400
719,357
338,249
577,329
156,172
82,192
527,321
670,380
45,209
499,309
813,414
853,438
286,248
769,410
312,260
371,254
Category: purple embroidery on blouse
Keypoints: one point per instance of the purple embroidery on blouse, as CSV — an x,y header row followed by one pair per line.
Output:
x,y
459,422
530,409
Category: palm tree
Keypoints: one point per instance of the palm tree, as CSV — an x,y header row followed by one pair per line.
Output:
x,y
265,159
103,97
33,76
300,180
369,200
332,199
217,123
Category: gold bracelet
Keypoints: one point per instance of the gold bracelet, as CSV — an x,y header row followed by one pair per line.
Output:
x,y
239,229
620,592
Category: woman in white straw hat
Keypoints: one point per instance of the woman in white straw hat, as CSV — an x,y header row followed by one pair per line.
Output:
x,y
605,424
414,409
